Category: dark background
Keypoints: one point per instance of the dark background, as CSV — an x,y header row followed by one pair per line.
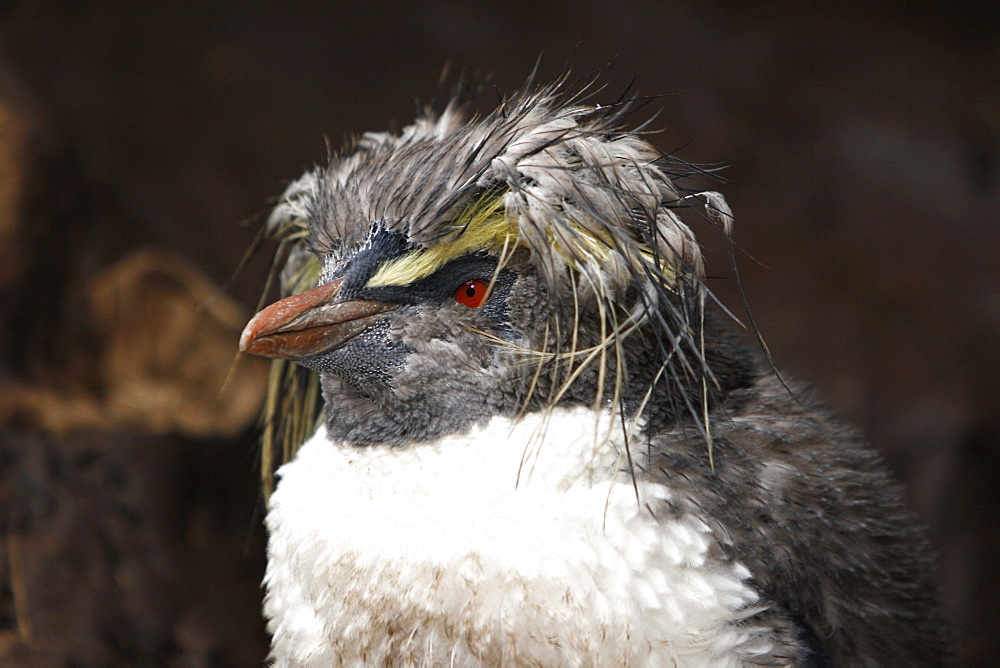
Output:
x,y
140,144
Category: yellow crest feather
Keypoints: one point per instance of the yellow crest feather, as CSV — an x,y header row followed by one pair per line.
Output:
x,y
483,225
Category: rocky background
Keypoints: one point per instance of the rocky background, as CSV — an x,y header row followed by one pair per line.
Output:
x,y
141,143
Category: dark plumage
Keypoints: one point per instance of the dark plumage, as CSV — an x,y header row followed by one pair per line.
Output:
x,y
528,269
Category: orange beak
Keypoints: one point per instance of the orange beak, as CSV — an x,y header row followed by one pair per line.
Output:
x,y
308,324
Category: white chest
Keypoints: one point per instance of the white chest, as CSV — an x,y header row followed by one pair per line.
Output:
x,y
516,544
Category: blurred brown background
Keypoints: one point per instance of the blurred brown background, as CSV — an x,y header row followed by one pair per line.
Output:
x,y
140,142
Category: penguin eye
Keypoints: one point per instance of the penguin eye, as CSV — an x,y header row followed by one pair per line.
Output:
x,y
471,293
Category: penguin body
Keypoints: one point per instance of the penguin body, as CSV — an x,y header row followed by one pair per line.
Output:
x,y
540,445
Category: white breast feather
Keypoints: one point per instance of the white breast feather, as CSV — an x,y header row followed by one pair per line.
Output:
x,y
515,544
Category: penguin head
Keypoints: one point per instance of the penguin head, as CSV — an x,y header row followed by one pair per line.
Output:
x,y
472,267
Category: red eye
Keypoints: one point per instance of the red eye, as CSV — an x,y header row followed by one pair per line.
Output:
x,y
472,293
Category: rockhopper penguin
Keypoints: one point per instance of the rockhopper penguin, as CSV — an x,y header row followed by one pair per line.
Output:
x,y
540,445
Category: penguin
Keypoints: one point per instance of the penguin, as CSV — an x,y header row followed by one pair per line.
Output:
x,y
539,441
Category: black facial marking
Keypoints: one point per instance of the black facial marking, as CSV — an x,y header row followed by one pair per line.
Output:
x,y
439,287
496,308
380,247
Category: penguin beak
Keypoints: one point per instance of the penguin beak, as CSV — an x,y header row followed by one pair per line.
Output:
x,y
308,324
